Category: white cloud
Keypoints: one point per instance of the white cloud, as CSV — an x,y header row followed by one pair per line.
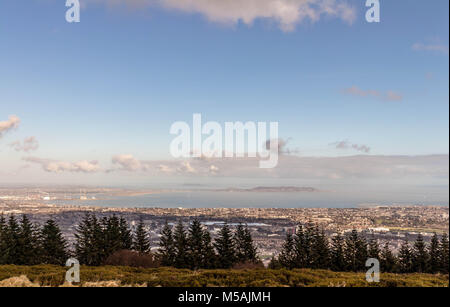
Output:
x,y
12,123
127,162
307,168
342,169
438,48
29,144
213,169
165,169
388,96
53,166
286,13
186,167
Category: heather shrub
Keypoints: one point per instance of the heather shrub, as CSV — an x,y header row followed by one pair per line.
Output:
x,y
51,275
248,265
132,259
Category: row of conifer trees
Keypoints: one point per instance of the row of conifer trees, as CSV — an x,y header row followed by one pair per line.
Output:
x,y
311,248
23,243
193,247
96,240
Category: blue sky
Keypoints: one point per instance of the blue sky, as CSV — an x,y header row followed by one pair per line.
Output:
x,y
115,82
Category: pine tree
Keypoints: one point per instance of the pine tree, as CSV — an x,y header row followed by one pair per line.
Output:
x,y
251,251
126,235
100,245
320,250
351,251
53,245
434,255
141,241
404,258
90,242
301,248
195,246
287,256
308,242
181,248
374,248
112,235
239,243
444,251
355,252
3,246
166,251
224,245
304,240
12,237
210,257
361,254
27,253
388,261
337,254
420,256
83,242
245,248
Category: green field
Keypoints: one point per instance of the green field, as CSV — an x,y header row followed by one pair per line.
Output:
x,y
47,275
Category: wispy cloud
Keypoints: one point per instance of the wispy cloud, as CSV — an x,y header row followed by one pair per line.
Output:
x,y
339,168
393,96
289,166
345,145
437,48
286,13
387,96
364,167
28,144
53,166
12,123
127,162
309,168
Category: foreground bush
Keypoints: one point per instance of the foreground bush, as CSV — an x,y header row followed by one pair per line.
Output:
x,y
48,275
131,259
248,265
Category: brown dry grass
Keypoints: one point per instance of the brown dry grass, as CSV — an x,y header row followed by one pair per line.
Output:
x,y
115,276
21,281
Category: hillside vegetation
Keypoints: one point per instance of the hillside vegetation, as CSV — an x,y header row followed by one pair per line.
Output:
x,y
49,275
